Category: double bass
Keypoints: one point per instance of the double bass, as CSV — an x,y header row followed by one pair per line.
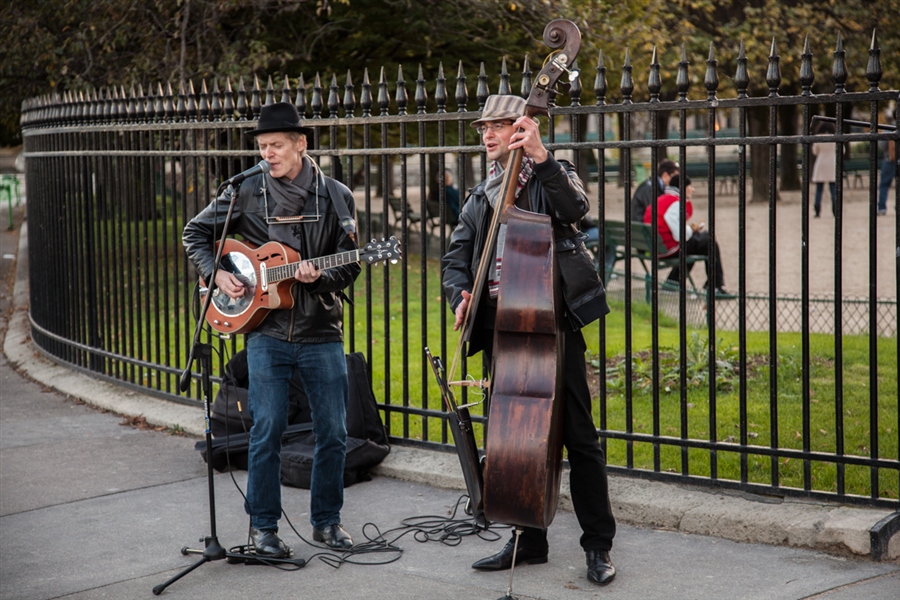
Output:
x,y
518,481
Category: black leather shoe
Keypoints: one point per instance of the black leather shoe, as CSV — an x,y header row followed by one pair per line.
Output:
x,y
267,543
503,559
333,536
600,569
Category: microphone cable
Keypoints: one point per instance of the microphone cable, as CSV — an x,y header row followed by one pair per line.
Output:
x,y
449,530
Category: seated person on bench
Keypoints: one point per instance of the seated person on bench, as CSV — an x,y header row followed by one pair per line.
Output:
x,y
696,237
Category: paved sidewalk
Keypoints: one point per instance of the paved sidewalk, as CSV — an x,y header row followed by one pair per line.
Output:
x,y
91,508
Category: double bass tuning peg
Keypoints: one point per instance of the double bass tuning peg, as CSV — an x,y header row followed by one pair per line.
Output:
x,y
560,60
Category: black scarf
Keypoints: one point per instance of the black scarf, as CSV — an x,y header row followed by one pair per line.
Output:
x,y
290,198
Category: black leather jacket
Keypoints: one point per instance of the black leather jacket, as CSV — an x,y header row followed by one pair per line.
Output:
x,y
554,190
317,314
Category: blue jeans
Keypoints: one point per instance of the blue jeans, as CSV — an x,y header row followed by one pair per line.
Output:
x,y
888,172
819,190
323,371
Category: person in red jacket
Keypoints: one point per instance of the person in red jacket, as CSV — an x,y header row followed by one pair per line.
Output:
x,y
692,237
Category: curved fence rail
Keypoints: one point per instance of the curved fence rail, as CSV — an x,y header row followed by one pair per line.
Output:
x,y
771,396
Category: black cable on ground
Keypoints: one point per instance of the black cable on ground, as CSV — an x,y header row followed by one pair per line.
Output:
x,y
449,531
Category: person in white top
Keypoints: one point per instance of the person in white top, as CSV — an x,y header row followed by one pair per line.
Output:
x,y
823,168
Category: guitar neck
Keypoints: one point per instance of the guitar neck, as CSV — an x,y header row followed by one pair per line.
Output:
x,y
283,272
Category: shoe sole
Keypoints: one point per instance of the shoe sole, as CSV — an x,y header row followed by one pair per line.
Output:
x,y
286,554
607,582
320,540
527,561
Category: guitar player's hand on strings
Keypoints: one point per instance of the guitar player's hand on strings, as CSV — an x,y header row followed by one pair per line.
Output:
x,y
229,284
307,272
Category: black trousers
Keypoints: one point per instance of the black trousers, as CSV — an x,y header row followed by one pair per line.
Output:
x,y
587,478
699,244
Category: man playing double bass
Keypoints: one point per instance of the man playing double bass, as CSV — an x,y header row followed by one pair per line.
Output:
x,y
551,187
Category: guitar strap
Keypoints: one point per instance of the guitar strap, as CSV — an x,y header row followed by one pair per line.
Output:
x,y
347,221
340,206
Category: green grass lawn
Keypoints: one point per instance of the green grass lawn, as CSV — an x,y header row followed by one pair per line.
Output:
x,y
402,378
719,419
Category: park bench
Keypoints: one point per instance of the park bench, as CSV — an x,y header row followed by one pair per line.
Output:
x,y
856,168
641,249
726,174
412,218
433,216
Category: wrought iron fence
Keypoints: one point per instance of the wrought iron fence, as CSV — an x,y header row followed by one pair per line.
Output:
x,y
822,310
113,175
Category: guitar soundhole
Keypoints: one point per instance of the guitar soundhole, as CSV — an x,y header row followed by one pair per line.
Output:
x,y
240,266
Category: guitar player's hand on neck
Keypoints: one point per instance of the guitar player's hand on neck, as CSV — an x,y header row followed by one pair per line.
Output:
x,y
307,272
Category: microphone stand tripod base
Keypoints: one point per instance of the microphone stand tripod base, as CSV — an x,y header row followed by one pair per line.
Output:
x,y
213,550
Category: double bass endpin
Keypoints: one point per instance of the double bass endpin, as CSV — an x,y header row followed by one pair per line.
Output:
x,y
512,568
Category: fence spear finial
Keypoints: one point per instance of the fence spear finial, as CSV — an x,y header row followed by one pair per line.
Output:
x,y
682,82
627,84
654,83
806,68
839,67
349,96
873,67
600,81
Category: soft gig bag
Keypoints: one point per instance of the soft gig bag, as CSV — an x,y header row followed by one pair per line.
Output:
x,y
230,423
367,443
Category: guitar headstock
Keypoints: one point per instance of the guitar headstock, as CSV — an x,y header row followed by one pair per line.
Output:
x,y
385,250
565,38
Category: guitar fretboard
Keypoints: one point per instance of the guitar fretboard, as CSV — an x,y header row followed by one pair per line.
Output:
x,y
282,272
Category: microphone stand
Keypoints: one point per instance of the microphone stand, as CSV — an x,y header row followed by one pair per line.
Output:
x,y
212,550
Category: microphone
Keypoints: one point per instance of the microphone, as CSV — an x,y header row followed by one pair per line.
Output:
x,y
262,167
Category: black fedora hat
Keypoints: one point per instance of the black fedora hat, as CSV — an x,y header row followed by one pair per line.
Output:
x,y
281,116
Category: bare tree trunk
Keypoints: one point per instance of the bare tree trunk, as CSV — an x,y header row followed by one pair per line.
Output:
x,y
662,123
585,158
184,23
758,123
790,174
620,180
434,177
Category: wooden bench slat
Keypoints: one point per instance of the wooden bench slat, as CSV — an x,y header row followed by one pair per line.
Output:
x,y
641,247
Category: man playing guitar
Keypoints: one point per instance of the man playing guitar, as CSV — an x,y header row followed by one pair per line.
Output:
x,y
292,204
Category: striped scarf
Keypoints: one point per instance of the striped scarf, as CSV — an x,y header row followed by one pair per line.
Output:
x,y
492,191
